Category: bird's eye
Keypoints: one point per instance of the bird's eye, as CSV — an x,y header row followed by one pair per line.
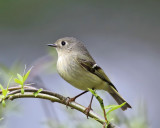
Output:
x,y
63,43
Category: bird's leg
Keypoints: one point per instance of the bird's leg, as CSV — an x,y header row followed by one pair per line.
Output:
x,y
74,98
87,110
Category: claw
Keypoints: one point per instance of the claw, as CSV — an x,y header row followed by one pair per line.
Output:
x,y
68,100
87,110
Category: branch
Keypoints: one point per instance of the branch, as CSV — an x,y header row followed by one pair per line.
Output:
x,y
15,93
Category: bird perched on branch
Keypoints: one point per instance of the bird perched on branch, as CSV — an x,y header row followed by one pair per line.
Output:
x,y
77,67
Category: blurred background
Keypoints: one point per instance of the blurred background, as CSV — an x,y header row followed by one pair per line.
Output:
x,y
123,37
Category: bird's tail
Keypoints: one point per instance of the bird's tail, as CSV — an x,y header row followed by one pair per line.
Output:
x,y
119,99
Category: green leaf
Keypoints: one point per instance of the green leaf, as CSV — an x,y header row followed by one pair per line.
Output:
x,y
1,97
26,75
3,103
20,77
5,92
114,107
97,97
22,90
9,82
18,81
100,100
93,92
110,106
36,93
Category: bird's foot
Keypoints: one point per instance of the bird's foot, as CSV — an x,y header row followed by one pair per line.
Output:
x,y
87,110
69,100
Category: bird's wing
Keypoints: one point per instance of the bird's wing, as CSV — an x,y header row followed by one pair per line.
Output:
x,y
92,67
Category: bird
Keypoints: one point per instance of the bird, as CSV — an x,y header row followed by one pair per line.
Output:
x,y
76,66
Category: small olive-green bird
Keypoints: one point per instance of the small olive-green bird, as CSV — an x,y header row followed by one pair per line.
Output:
x,y
77,67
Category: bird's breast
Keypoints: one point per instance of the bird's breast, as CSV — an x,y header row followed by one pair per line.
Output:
x,y
71,71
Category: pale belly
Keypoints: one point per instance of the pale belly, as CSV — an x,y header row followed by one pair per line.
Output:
x,y
78,76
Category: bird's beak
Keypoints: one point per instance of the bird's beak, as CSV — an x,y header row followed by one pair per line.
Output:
x,y
52,45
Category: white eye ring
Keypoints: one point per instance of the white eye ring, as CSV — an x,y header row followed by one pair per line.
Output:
x,y
63,43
